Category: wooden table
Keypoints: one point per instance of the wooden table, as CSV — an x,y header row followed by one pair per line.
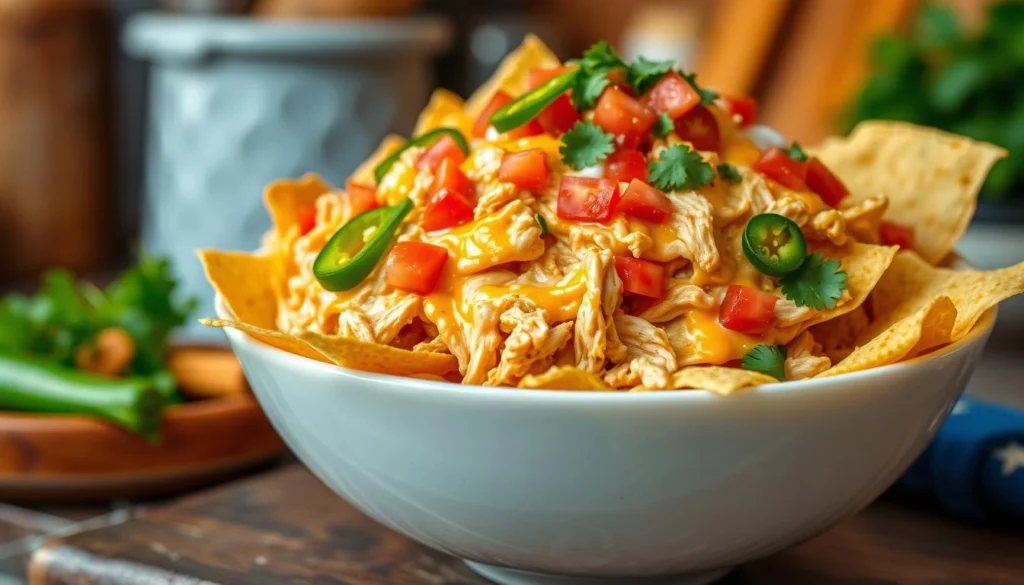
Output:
x,y
285,527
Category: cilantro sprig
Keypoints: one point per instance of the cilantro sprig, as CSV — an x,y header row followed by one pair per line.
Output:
x,y
707,96
592,78
663,125
729,173
817,284
584,145
680,168
643,74
796,152
767,359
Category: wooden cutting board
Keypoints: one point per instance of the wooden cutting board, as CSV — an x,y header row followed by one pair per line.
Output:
x,y
285,527
77,458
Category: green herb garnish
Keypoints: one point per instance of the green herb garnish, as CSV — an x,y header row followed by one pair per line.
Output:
x,y
543,223
729,173
707,96
663,126
767,359
797,153
643,74
584,145
817,284
680,168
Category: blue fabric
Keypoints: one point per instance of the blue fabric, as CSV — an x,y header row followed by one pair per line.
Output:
x,y
975,466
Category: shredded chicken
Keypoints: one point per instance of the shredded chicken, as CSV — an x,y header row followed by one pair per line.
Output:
x,y
787,313
510,235
804,358
433,345
680,297
394,186
617,236
864,216
650,359
592,320
693,224
530,341
491,193
792,207
827,225
752,196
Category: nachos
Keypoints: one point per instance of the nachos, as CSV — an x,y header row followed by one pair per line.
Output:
x,y
598,224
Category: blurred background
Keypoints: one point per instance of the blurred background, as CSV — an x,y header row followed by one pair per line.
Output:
x,y
152,126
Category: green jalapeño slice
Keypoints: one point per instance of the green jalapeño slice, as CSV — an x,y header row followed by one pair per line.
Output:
x,y
425,140
355,250
527,106
774,244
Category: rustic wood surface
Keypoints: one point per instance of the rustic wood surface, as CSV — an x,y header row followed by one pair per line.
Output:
x,y
285,527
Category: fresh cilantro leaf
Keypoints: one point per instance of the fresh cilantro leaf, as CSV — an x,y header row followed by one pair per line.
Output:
x,y
729,173
643,74
707,96
592,78
543,223
587,88
663,126
678,168
797,153
816,284
584,145
600,55
66,315
767,359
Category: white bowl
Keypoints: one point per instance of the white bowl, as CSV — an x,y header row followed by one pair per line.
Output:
x,y
576,487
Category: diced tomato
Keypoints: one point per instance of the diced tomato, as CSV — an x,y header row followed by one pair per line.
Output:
x,y
643,201
747,310
587,198
625,165
699,128
484,121
823,182
415,266
641,277
527,169
444,148
558,116
630,141
450,176
672,95
895,234
306,218
362,198
775,164
617,113
531,128
744,108
446,209
538,76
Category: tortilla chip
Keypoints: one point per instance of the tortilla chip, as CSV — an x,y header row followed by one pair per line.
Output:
x,y
444,109
930,327
932,178
512,74
374,357
838,337
364,172
563,378
911,283
864,265
286,197
270,337
718,379
348,353
243,282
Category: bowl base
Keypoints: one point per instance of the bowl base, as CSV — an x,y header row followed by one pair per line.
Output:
x,y
507,576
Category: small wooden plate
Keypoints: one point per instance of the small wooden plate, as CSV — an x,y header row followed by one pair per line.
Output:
x,y
77,458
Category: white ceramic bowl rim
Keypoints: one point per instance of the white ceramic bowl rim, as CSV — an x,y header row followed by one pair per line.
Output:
x,y
979,331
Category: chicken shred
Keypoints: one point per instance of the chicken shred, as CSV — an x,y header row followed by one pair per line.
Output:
x,y
804,358
650,359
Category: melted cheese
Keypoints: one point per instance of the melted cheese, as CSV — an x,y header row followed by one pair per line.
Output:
x,y
710,343
485,242
561,302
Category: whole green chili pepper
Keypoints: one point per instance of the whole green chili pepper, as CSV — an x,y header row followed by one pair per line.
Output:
x,y
527,106
425,140
36,385
354,251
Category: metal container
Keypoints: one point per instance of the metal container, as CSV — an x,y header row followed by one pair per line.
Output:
x,y
236,103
